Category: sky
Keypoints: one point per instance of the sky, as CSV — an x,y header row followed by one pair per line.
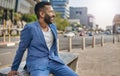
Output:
x,y
103,10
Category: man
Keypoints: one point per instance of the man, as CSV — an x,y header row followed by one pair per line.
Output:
x,y
40,38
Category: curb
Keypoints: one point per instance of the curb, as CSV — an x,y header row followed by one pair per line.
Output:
x,y
8,44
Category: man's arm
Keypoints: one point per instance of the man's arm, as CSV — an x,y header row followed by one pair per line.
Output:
x,y
25,40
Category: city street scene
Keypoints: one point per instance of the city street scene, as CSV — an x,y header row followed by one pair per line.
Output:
x,y
88,34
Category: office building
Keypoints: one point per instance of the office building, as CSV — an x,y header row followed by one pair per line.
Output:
x,y
6,9
61,6
79,13
7,4
116,24
22,6
91,22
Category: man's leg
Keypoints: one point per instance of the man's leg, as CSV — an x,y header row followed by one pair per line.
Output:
x,y
64,71
39,73
58,69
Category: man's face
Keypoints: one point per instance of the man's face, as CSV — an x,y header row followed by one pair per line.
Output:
x,y
49,15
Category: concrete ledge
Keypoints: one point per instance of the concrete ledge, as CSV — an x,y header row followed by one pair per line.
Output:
x,y
70,59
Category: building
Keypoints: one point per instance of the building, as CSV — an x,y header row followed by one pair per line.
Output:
x,y
61,6
6,9
109,29
91,22
22,6
79,13
7,4
116,24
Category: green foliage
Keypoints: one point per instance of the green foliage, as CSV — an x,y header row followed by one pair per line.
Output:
x,y
29,17
17,16
60,22
1,14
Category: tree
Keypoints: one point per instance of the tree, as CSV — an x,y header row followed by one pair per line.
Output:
x,y
17,17
60,22
29,17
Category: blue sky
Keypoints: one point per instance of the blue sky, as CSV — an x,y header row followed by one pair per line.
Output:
x,y
103,10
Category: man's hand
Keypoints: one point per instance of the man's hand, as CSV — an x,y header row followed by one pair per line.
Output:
x,y
12,73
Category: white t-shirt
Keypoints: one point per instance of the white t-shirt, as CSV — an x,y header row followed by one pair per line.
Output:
x,y
48,35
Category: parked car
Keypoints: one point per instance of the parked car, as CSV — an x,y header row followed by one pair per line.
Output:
x,y
69,34
81,34
90,34
107,33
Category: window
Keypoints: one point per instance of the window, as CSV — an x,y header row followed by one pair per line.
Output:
x,y
78,12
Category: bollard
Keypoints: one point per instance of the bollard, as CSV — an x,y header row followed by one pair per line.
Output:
x,y
102,40
93,41
70,44
83,43
9,28
113,39
118,38
4,31
58,45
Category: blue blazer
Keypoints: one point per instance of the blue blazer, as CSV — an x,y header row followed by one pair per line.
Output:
x,y
38,54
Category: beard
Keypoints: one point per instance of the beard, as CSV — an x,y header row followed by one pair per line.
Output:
x,y
47,19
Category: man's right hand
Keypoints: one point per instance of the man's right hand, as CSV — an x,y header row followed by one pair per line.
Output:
x,y
12,73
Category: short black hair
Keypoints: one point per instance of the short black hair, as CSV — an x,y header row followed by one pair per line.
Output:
x,y
40,5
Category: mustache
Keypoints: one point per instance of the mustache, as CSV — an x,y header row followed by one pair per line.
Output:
x,y
53,16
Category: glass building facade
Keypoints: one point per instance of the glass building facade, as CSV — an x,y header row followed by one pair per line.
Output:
x,y
6,9
22,6
62,7
7,4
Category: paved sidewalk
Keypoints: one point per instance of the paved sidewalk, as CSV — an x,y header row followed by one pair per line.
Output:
x,y
99,61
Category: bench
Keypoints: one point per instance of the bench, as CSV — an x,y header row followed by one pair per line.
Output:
x,y
69,58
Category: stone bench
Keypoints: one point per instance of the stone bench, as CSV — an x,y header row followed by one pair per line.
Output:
x,y
69,58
